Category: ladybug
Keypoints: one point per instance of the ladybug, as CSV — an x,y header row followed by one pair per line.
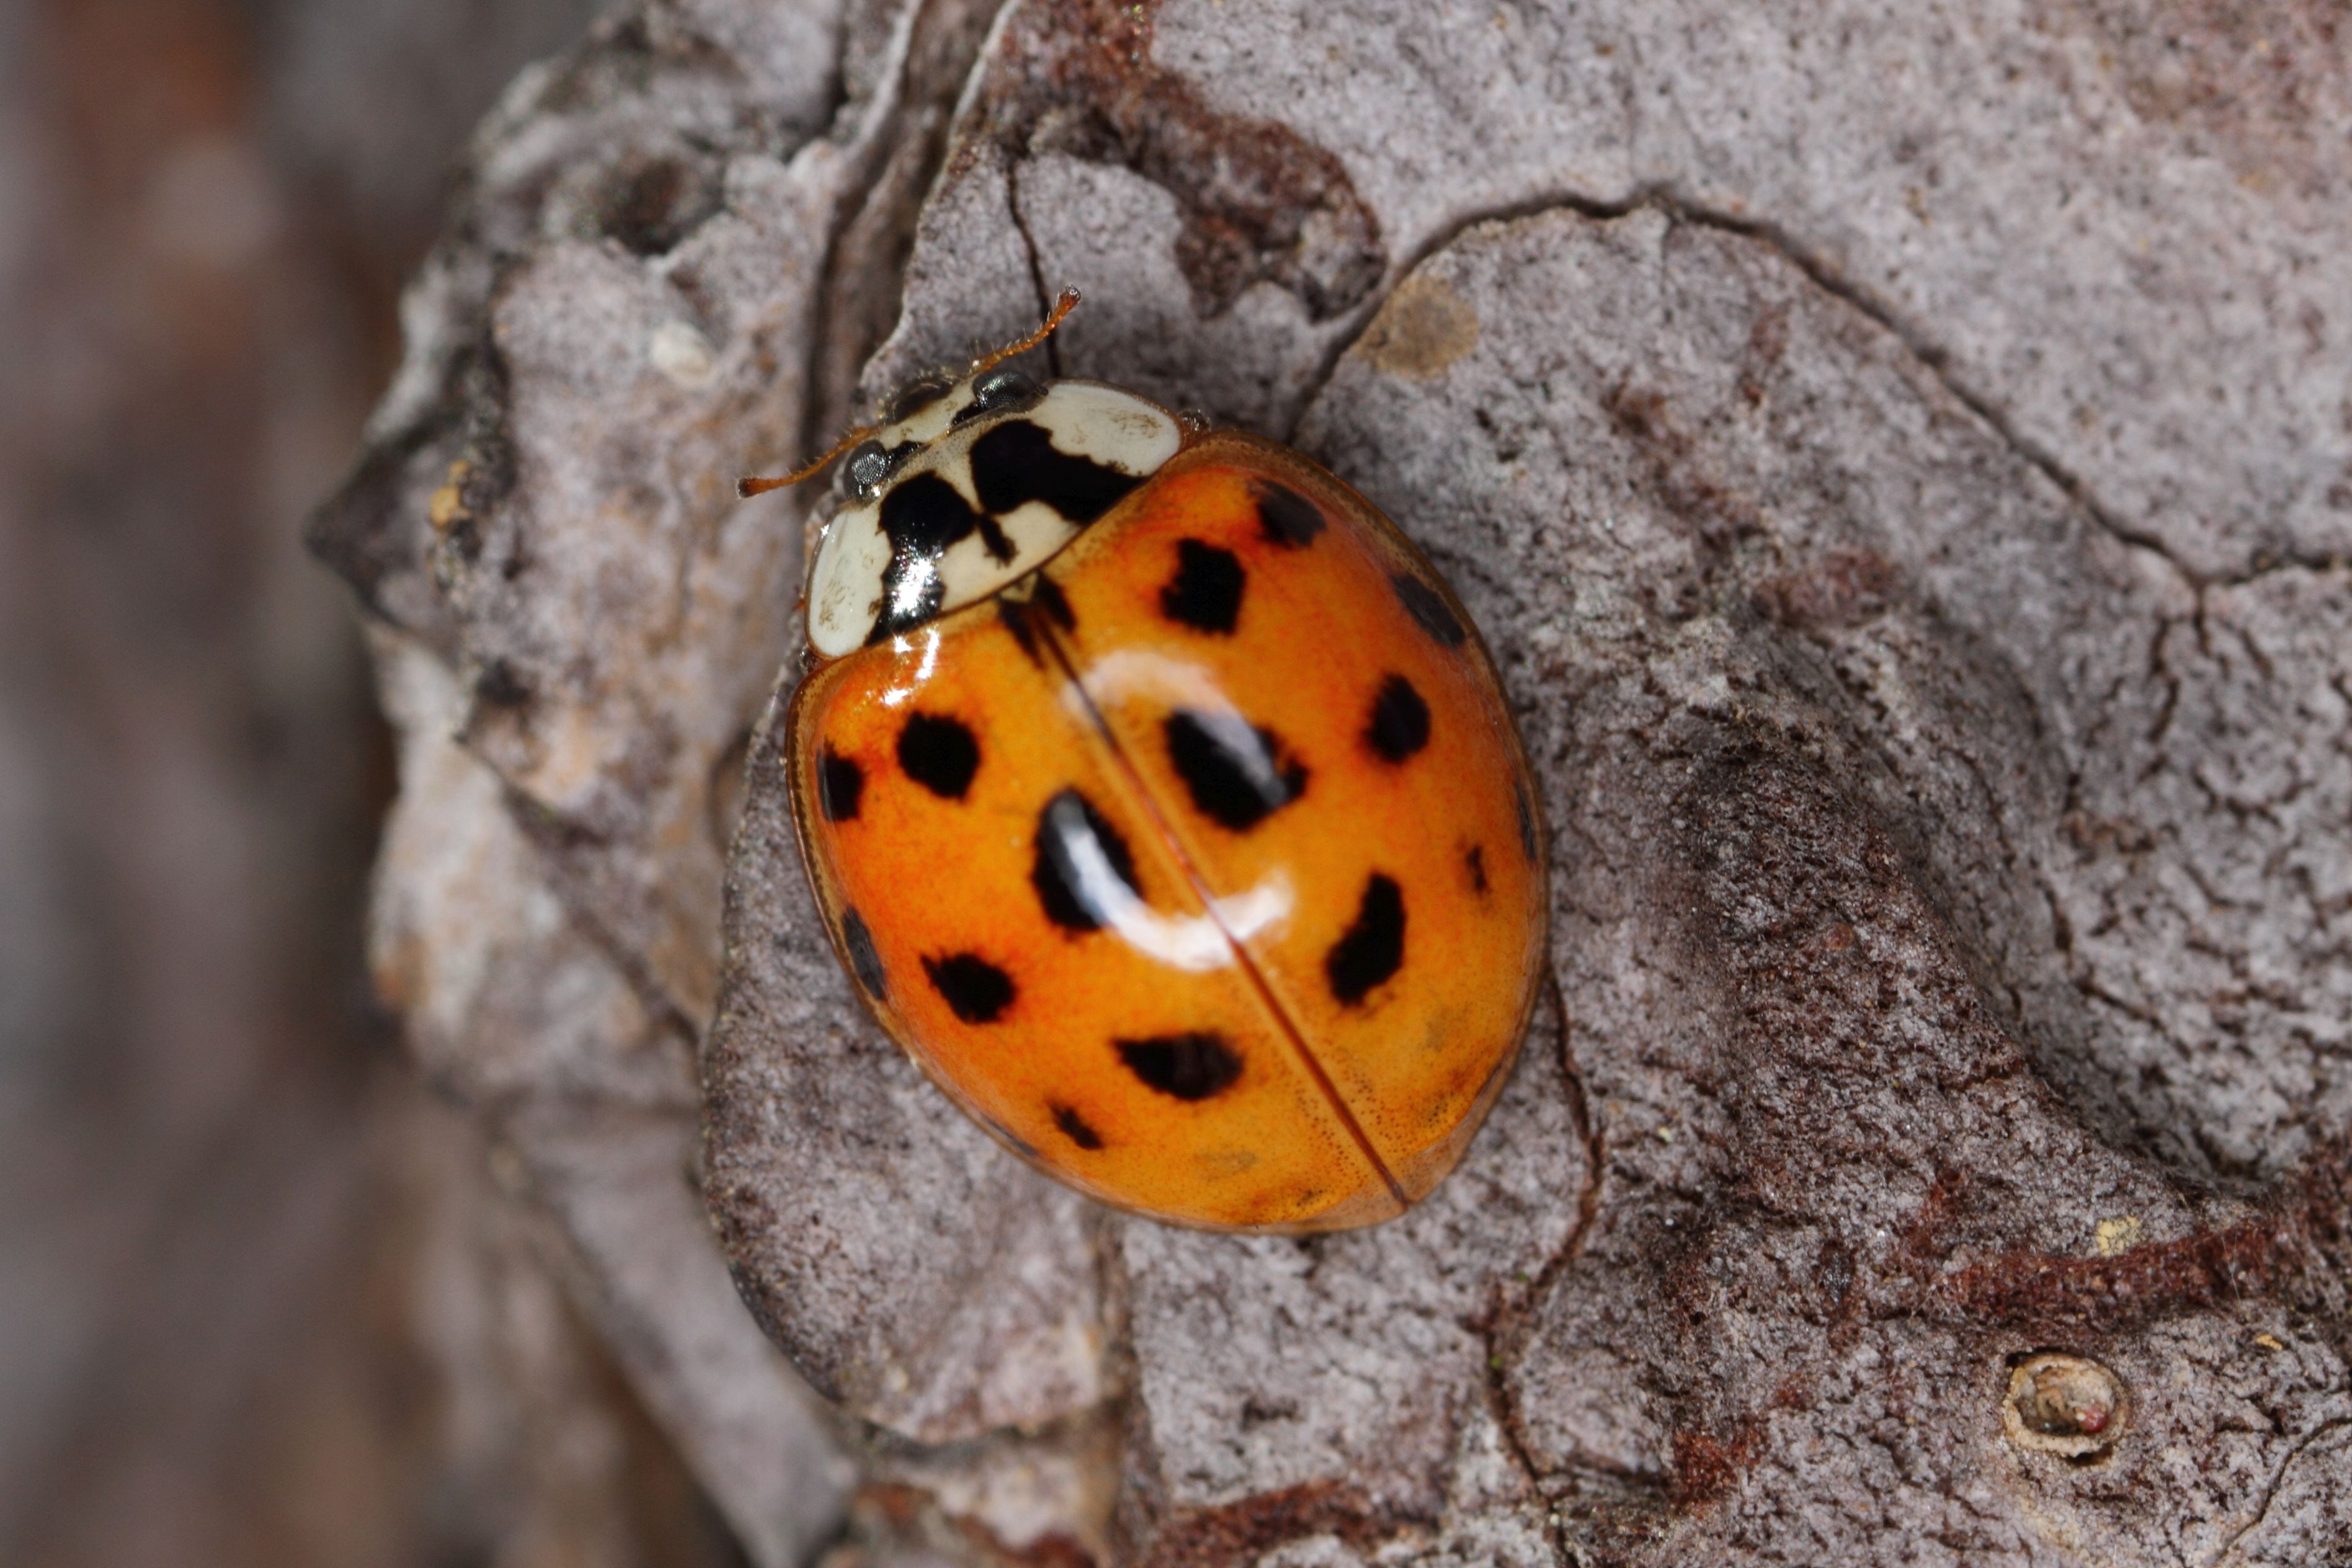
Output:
x,y
1162,802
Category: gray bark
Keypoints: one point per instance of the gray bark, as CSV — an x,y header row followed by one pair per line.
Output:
x,y
1903,463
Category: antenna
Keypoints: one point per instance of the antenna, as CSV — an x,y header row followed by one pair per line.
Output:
x,y
748,487
1064,304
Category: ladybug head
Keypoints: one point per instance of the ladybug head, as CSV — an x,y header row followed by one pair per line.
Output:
x,y
969,484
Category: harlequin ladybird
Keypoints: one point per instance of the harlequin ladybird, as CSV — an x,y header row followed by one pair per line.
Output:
x,y
1162,802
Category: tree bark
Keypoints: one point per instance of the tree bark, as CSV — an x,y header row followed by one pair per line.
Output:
x,y
1903,464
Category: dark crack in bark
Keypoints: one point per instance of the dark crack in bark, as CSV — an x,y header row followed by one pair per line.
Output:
x,y
2278,1480
1260,202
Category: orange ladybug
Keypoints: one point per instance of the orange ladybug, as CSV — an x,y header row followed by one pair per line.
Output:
x,y
1163,804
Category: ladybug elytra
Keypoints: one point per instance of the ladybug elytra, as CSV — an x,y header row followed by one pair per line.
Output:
x,y
1162,802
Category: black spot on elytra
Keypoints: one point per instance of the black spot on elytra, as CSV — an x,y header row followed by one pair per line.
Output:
x,y
1070,833
1428,607
1237,774
1074,1126
1045,598
1474,860
939,753
864,962
839,783
974,989
1013,615
1527,819
1286,517
1017,462
1372,949
1049,598
1190,1066
1206,592
1399,722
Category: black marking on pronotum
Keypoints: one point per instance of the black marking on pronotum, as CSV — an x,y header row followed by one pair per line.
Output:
x,y
1474,860
1206,592
1372,948
1017,462
1285,516
974,989
1067,829
1399,722
939,753
839,783
922,517
864,962
1042,596
1074,1126
1428,607
1190,1066
1237,774
1526,818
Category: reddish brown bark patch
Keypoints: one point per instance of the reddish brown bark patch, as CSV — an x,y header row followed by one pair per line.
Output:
x,y
1845,588
1260,203
2291,1253
1707,1465
1243,1532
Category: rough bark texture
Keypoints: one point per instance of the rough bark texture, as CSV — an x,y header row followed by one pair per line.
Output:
x,y
1902,462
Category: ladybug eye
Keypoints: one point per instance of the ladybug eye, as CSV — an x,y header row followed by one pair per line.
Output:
x,y
999,388
912,400
998,391
867,466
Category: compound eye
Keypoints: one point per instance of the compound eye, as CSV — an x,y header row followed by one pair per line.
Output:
x,y
867,465
913,399
997,391
1001,387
